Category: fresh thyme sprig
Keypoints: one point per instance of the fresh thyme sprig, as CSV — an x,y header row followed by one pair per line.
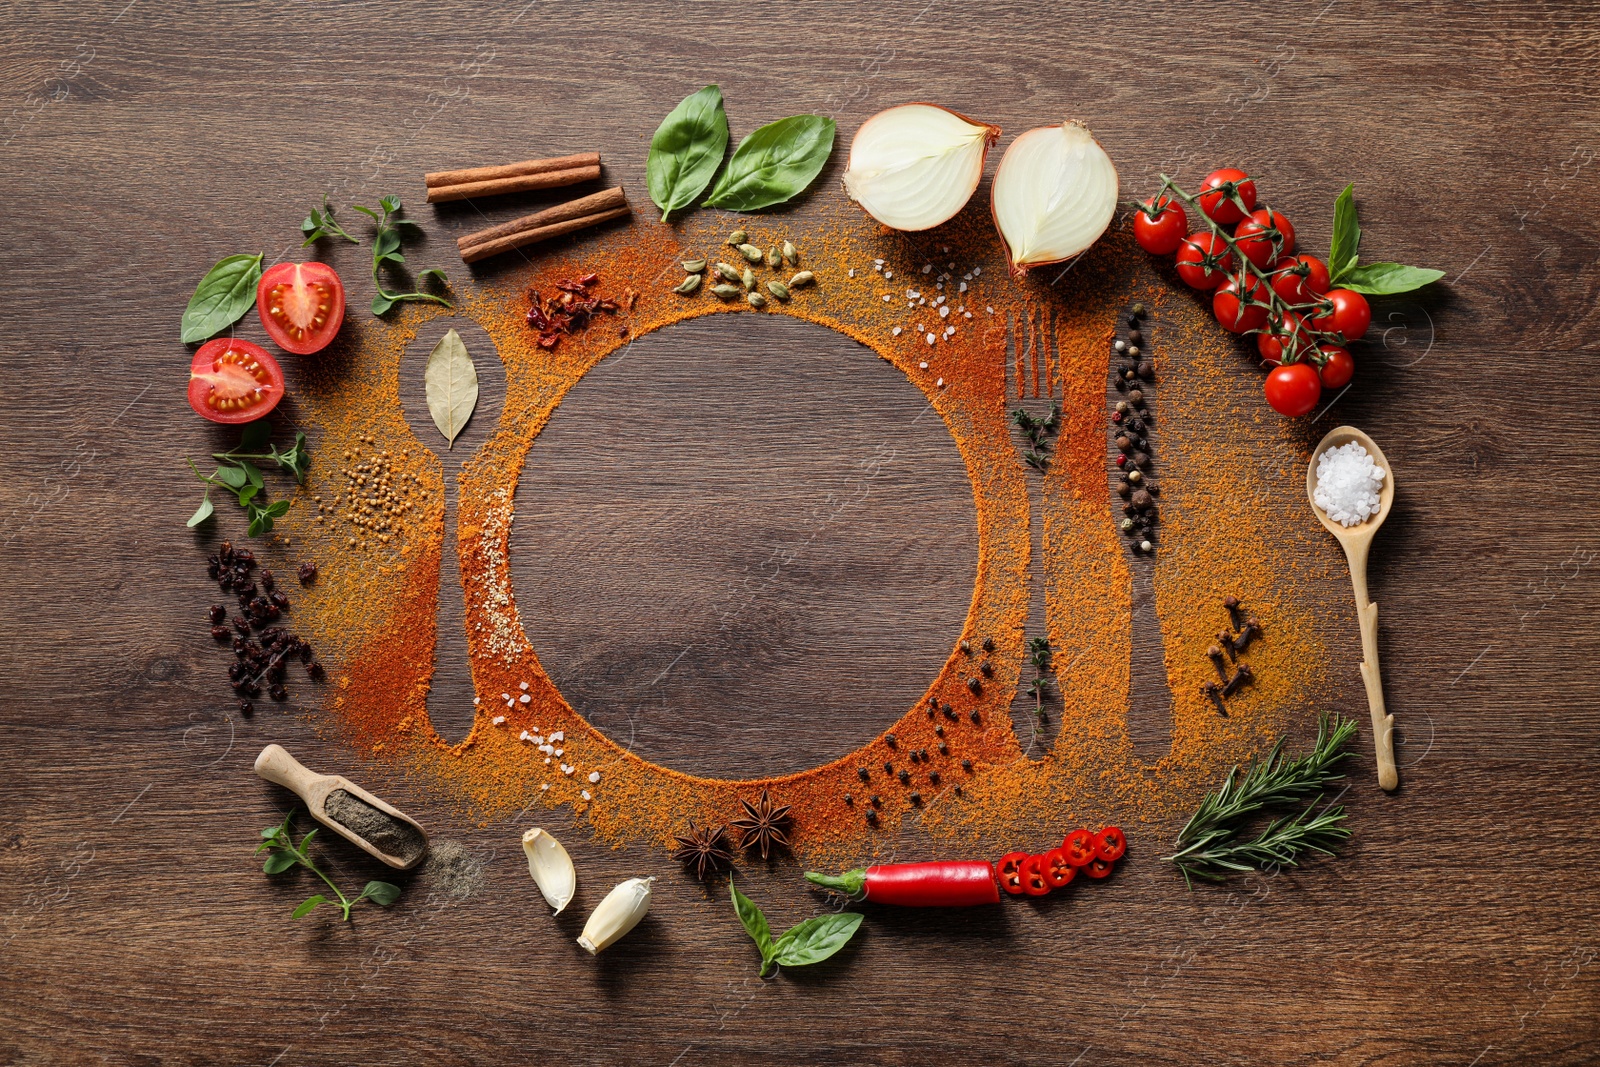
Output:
x,y
1210,847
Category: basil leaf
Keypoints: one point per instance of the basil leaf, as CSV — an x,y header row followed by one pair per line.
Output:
x,y
308,906
223,296
816,939
1343,249
202,513
686,150
754,922
774,163
1381,279
384,893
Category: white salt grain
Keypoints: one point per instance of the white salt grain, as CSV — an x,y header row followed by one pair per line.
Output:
x,y
594,776
1348,484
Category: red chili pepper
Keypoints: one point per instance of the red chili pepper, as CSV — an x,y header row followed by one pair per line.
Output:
x,y
1009,872
918,885
1079,847
1097,868
1058,869
1110,844
1035,882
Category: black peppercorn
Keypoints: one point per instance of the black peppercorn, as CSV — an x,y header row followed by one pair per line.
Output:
x,y
966,647
938,731
973,714
944,749
975,685
848,799
875,800
872,817
916,798
888,768
966,765
934,778
864,774
986,669
905,776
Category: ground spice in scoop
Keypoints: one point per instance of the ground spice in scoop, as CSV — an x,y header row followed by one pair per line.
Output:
x,y
942,310
389,835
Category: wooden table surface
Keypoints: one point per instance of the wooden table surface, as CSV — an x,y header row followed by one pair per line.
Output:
x,y
144,141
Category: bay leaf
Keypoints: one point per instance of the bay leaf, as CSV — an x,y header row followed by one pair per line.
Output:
x,y
452,385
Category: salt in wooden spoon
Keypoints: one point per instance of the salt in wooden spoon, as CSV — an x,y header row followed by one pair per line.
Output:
x,y
276,765
1357,541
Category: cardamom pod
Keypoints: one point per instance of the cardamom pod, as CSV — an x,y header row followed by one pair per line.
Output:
x,y
726,291
791,254
694,266
778,289
688,285
750,252
805,277
737,238
748,278
728,271
756,300
774,257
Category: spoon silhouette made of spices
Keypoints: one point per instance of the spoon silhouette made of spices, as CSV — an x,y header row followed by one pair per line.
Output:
x,y
391,835
1357,542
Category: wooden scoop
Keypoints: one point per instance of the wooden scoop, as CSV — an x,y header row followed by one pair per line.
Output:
x,y
1357,541
276,765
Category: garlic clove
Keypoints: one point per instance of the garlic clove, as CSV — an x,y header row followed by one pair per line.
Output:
x,y
1054,194
916,165
618,913
551,868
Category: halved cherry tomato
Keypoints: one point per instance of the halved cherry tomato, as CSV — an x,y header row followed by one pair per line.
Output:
x,y
1159,226
1034,881
1078,847
1204,261
301,305
1241,305
1288,333
1343,311
1337,366
1098,868
1058,870
1218,191
1009,872
1264,236
234,381
1300,279
1109,844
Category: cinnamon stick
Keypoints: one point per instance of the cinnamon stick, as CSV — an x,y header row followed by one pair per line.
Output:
x,y
448,185
557,221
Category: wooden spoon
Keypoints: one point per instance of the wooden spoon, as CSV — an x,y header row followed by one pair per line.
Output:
x,y
276,765
1357,540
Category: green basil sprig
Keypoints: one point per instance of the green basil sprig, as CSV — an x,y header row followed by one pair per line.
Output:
x,y
811,941
223,296
774,163
686,150
1346,269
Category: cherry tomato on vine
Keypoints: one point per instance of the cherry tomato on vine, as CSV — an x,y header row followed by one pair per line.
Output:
x,y
1160,225
1293,389
1264,236
233,381
1058,869
1286,333
1204,261
1009,872
1098,868
1110,843
1299,279
301,305
1217,194
1337,366
1345,312
1078,847
1240,305
1034,881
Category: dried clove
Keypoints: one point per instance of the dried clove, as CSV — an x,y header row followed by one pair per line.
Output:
x,y
1231,602
1215,654
1237,682
1252,630
1214,691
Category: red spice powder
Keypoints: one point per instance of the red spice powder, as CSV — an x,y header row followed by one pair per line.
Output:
x,y
1234,521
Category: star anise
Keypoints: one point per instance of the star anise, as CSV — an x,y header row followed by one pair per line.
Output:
x,y
764,825
706,847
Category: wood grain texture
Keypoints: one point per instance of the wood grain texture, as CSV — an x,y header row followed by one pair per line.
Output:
x,y
143,142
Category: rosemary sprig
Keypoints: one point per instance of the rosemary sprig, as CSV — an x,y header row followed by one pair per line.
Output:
x,y
1209,845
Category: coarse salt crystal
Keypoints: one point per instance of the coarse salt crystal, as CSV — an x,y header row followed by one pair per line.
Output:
x,y
476,700
1348,484
991,310
585,795
939,383
559,735
944,312
594,776
961,288
923,365
566,769
544,785
895,332
524,687
558,752
852,272
505,696
967,314
976,271
498,720
885,298
523,736
927,268
912,294
930,338
887,275
525,698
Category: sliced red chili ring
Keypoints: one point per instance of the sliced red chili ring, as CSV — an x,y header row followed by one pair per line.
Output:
x,y
1097,868
1058,869
1079,847
1034,881
1009,872
1110,843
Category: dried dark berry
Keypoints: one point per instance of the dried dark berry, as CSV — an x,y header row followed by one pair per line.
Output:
x,y
268,582
247,589
244,556
278,693
220,633
315,670
218,614
242,625
307,573
279,601
246,708
213,567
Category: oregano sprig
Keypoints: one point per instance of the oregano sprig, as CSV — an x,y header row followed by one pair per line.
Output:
x,y
386,252
320,224
283,853
238,472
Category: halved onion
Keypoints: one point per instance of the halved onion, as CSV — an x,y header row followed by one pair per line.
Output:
x,y
916,165
1054,194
